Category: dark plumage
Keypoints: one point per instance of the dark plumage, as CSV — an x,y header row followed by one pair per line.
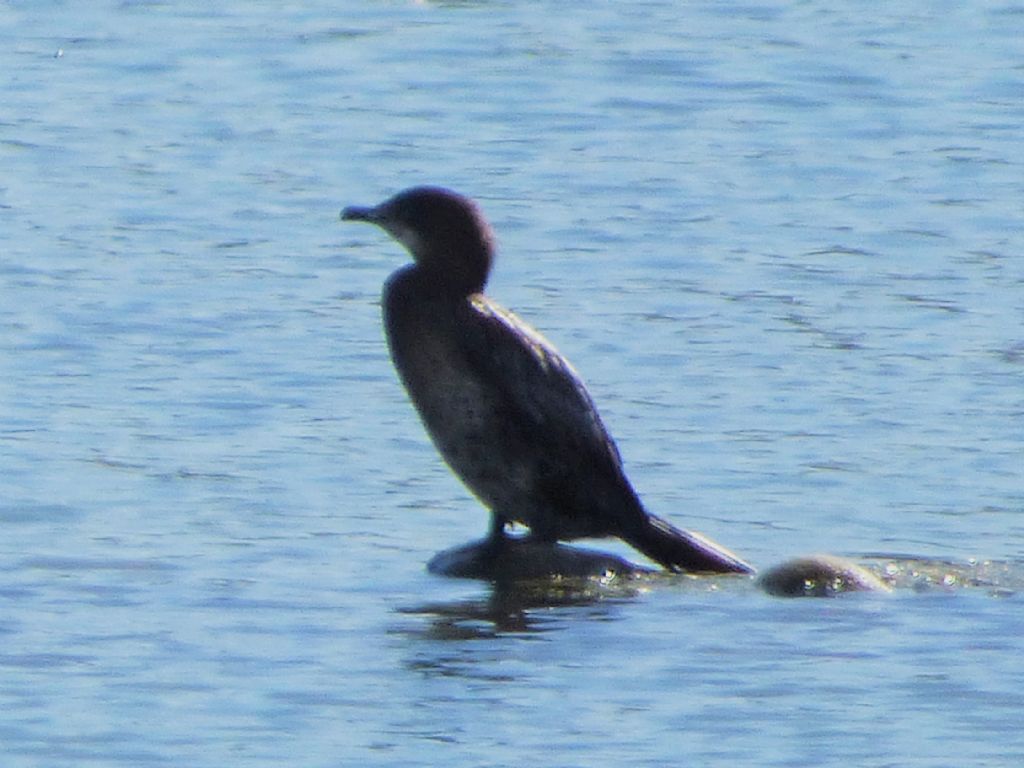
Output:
x,y
507,412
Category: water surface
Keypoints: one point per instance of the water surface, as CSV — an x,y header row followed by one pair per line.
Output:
x,y
782,243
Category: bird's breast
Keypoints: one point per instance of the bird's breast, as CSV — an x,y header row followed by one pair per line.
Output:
x,y
459,407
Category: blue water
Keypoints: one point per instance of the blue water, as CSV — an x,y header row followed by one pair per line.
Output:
x,y
781,241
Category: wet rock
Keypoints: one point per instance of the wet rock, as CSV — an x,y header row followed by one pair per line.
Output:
x,y
819,576
520,558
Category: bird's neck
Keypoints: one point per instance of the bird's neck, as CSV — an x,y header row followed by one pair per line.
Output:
x,y
454,276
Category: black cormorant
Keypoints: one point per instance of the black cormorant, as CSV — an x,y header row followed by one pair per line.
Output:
x,y
508,413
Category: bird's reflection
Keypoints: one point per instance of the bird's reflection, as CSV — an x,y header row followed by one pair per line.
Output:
x,y
526,607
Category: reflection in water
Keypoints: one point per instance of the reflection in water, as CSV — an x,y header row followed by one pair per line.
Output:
x,y
452,639
535,607
540,606
526,607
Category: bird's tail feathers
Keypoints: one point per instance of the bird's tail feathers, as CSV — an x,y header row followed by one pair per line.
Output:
x,y
684,551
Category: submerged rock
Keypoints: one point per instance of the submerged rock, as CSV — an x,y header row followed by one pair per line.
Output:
x,y
819,576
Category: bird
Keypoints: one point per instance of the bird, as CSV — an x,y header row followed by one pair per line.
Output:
x,y
507,412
